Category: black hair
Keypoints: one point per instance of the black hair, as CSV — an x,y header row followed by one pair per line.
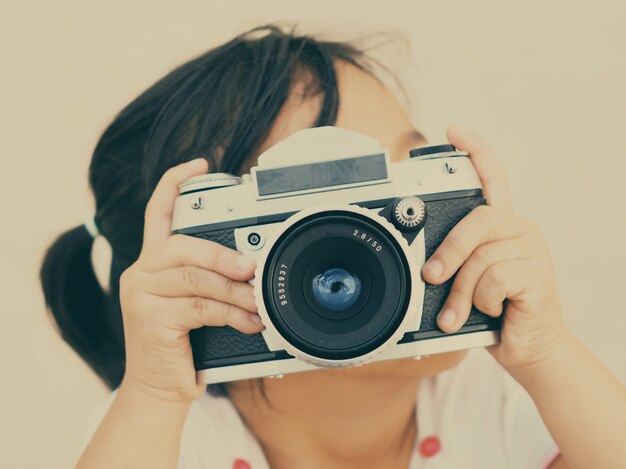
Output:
x,y
220,105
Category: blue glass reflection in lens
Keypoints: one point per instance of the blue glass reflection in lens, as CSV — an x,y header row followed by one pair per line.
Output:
x,y
336,289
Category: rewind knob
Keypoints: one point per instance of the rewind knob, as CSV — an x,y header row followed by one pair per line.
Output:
x,y
408,214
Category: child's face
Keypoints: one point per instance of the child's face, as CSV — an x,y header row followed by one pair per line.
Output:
x,y
367,107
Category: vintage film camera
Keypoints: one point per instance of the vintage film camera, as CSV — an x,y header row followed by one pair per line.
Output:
x,y
339,234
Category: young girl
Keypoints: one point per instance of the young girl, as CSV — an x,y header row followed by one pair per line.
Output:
x,y
453,410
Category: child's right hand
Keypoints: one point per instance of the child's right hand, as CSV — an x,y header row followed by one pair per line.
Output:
x,y
179,283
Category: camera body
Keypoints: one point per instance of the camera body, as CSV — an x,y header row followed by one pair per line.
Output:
x,y
339,234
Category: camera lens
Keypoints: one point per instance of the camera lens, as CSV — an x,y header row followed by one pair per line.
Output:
x,y
336,289
336,284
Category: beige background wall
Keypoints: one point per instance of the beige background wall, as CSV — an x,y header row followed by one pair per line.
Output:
x,y
544,81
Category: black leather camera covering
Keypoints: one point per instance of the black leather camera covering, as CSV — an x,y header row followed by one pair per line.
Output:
x,y
211,345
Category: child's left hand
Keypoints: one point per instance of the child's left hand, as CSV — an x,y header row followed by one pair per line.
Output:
x,y
499,256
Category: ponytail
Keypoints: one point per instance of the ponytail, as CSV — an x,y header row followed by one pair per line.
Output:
x,y
79,305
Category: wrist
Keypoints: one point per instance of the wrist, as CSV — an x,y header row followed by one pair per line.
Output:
x,y
546,362
139,430
139,397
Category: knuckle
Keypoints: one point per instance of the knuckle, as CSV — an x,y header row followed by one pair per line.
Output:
x,y
494,280
221,312
201,307
191,277
230,315
230,287
229,310
454,245
483,255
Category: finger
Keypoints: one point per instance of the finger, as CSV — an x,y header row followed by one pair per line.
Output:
x,y
194,312
191,280
181,250
480,226
490,172
458,305
506,280
158,218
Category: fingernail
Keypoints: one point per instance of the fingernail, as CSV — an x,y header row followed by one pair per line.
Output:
x,y
255,318
251,291
447,317
244,263
434,268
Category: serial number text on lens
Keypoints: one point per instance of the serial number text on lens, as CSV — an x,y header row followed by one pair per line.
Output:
x,y
281,285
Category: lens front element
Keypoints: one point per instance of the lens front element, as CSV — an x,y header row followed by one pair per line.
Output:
x,y
336,289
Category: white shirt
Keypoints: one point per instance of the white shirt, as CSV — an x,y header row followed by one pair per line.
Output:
x,y
479,416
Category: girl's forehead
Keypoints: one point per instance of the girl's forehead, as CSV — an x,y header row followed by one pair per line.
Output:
x,y
365,106
368,107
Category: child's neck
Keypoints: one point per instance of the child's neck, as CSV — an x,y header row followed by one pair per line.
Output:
x,y
358,417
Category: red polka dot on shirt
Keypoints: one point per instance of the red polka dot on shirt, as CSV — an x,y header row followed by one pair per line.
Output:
x,y
241,464
430,446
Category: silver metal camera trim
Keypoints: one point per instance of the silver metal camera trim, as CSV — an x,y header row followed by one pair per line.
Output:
x,y
415,349
408,178
411,320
